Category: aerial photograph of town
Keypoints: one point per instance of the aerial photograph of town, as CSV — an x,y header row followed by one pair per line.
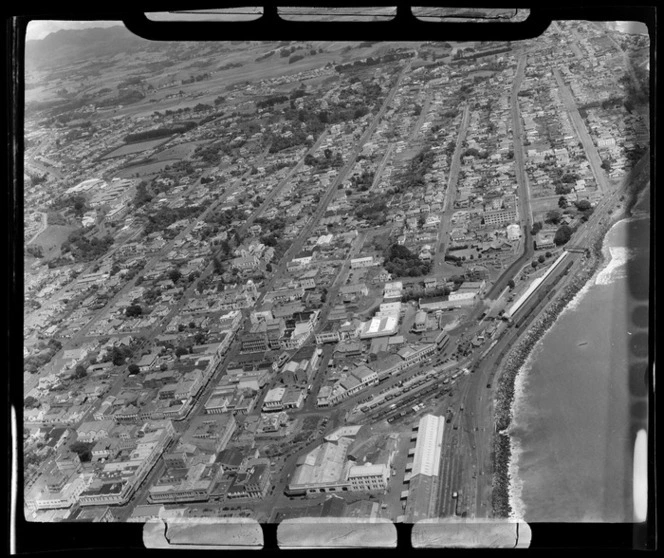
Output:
x,y
313,279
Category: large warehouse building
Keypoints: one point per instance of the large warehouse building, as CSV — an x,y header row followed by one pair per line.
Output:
x,y
425,469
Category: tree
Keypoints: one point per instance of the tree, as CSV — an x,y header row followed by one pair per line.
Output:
x,y
133,311
174,275
553,216
541,259
80,372
562,236
511,284
82,450
30,402
133,369
534,263
562,202
180,351
583,205
537,227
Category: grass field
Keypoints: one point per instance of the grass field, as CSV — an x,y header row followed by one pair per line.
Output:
x,y
138,147
177,152
147,169
52,238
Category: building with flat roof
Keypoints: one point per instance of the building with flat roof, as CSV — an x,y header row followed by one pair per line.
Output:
x,y
210,433
186,485
379,327
274,399
356,263
368,477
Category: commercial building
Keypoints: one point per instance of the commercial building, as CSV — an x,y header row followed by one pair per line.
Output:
x,y
274,399
322,469
186,485
357,263
368,477
420,323
252,481
379,327
210,433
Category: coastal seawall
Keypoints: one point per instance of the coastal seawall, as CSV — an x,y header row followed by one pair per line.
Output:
x,y
522,350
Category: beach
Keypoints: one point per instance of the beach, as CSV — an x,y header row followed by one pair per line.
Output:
x,y
537,462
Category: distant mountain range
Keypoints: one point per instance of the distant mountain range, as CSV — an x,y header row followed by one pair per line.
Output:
x,y
76,45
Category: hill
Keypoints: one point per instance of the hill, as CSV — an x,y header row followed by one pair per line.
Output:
x,y
77,45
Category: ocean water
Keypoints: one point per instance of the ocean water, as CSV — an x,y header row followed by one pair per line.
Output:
x,y
573,428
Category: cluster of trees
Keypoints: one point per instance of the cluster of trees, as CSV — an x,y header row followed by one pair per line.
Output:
x,y
76,203
201,107
33,363
84,249
553,216
275,227
83,450
143,195
124,97
362,181
166,216
37,179
158,133
329,159
371,61
211,153
271,101
473,152
194,79
130,82
295,58
35,250
133,311
119,355
265,56
80,372
31,402
401,262
280,142
418,291
226,217
374,212
563,189
287,51
230,65
413,177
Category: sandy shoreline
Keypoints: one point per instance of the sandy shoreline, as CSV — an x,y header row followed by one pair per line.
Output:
x,y
506,493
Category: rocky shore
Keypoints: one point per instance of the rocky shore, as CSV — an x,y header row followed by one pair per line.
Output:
x,y
517,356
